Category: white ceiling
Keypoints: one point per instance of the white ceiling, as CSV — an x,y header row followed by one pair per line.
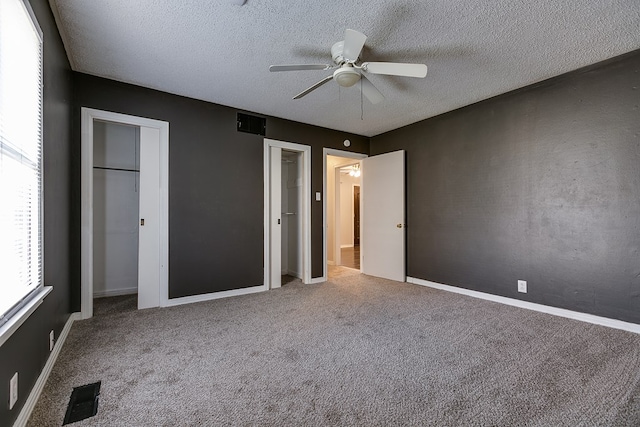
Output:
x,y
220,51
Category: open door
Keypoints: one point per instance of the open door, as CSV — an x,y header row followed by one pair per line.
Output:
x,y
149,229
275,206
383,216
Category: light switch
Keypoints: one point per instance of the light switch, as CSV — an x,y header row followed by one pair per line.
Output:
x,y
318,196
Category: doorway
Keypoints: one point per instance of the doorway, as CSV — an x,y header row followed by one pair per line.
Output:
x,y
291,209
287,212
356,215
350,254
333,199
347,214
382,212
116,190
116,185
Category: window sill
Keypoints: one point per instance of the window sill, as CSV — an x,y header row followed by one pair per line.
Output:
x,y
23,314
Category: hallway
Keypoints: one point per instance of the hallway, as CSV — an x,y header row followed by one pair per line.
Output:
x,y
350,257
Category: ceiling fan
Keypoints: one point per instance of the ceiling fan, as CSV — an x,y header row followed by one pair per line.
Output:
x,y
349,69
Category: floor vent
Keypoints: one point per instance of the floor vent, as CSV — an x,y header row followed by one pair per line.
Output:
x,y
83,403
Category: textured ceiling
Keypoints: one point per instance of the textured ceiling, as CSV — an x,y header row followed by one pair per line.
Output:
x,y
220,51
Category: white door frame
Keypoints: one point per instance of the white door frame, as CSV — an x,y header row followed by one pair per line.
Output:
x,y
305,151
88,115
340,153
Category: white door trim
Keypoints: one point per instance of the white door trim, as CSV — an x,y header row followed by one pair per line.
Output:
x,y
88,115
306,207
337,253
340,153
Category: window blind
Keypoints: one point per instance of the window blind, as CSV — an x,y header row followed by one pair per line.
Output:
x,y
20,155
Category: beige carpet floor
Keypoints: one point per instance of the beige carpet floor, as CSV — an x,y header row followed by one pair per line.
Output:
x,y
353,351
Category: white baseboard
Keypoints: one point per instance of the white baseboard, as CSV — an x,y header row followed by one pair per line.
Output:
x,y
31,401
115,292
576,315
346,246
318,280
213,295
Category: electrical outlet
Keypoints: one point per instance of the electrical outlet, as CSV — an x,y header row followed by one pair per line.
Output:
x,y
52,340
522,286
13,390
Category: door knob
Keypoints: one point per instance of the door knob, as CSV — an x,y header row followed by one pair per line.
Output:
x,y
399,225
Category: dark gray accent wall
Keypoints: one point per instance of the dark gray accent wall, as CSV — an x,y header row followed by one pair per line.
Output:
x,y
27,350
215,183
541,184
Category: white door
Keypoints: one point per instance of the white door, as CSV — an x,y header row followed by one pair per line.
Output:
x,y
383,216
275,210
149,235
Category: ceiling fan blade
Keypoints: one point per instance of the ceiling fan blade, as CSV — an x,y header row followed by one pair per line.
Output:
x,y
395,69
370,91
353,44
273,68
314,87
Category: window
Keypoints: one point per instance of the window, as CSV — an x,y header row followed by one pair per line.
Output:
x,y
20,156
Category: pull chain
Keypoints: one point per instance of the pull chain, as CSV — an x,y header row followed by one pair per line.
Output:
x,y
361,102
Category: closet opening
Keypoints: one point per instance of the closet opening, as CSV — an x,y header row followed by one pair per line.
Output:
x,y
116,188
124,209
291,228
287,213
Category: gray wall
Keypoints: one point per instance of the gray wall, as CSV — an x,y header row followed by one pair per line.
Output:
x,y
215,184
541,184
28,348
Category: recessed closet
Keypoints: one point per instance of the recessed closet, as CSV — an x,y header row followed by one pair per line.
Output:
x,y
116,188
291,203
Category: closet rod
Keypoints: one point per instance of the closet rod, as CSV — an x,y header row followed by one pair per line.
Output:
x,y
116,169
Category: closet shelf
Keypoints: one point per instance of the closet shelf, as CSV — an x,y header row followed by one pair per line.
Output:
x,y
116,169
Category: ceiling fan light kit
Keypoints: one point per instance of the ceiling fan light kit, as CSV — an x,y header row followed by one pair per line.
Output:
x,y
349,71
346,76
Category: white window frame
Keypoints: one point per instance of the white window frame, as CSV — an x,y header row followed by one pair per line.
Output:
x,y
11,320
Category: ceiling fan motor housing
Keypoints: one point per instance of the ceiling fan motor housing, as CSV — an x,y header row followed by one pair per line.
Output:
x,y
336,52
